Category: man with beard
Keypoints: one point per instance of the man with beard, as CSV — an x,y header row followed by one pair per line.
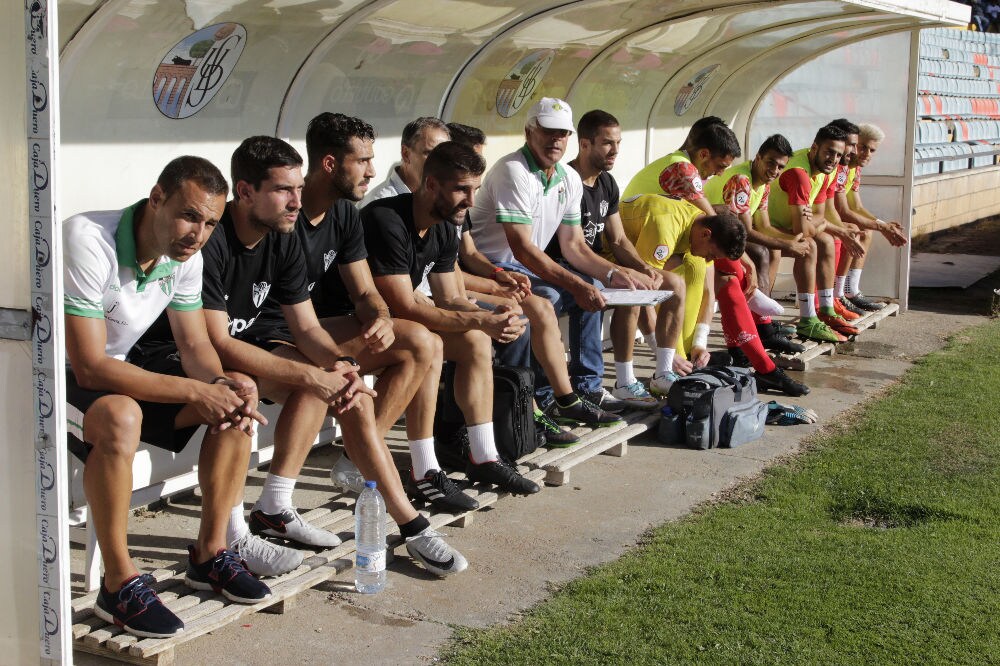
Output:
x,y
255,256
798,206
852,211
599,136
404,354
528,199
413,236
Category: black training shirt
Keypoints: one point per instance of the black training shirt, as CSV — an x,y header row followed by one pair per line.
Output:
x,y
598,202
394,248
337,240
239,280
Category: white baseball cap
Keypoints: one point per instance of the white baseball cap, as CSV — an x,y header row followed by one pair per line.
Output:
x,y
552,113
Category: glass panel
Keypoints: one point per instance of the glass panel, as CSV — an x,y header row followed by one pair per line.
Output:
x,y
864,82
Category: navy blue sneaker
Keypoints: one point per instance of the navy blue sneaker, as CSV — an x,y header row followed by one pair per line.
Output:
x,y
227,575
137,609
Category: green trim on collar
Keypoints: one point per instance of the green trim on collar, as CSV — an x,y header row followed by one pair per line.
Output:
x,y
547,183
126,253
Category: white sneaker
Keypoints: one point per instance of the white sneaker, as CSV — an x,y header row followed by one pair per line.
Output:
x,y
635,396
435,554
288,524
346,476
265,558
660,386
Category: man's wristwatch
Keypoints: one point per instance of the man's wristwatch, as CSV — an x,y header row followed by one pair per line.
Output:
x,y
348,359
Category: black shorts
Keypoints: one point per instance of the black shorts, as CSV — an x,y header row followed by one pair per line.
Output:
x,y
157,417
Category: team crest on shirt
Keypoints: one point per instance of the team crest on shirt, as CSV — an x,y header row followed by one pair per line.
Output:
x,y
590,232
742,198
167,284
260,291
328,259
661,252
697,184
604,208
841,177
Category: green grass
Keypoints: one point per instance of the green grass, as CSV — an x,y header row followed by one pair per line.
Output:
x,y
880,545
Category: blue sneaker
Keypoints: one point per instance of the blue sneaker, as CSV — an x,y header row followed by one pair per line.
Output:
x,y
137,609
226,574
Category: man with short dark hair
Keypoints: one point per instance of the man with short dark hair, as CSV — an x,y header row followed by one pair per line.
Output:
x,y
413,236
599,137
255,256
799,205
664,230
847,288
471,136
709,148
746,188
405,355
122,270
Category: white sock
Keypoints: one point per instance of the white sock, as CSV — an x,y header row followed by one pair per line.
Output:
x,y
838,285
423,457
826,298
237,527
853,287
650,340
624,373
277,494
807,304
764,305
482,446
664,360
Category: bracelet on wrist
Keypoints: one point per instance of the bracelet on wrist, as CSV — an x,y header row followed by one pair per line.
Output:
x,y
496,271
607,278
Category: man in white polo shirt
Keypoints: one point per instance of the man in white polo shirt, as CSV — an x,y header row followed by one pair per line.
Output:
x,y
122,269
528,198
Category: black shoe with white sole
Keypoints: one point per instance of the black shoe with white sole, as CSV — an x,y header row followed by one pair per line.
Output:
x,y
439,491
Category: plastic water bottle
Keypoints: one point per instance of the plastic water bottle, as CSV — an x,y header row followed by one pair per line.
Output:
x,y
369,535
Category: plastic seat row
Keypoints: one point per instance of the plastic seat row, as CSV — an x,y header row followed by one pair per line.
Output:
x,y
944,85
952,69
958,101
950,106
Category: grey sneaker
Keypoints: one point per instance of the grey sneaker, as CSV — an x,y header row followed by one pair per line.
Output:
x,y
288,524
605,400
265,558
432,551
346,476
636,396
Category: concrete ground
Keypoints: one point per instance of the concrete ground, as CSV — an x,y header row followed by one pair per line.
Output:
x,y
522,548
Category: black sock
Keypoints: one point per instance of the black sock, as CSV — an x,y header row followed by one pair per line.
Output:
x,y
567,400
414,527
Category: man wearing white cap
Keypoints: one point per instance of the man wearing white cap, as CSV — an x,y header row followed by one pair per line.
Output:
x,y
528,198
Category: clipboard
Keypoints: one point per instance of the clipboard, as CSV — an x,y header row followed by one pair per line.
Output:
x,y
634,297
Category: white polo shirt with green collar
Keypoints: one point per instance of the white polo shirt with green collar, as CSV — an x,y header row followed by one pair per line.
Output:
x,y
102,279
517,191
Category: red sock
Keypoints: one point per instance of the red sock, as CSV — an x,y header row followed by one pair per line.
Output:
x,y
737,321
